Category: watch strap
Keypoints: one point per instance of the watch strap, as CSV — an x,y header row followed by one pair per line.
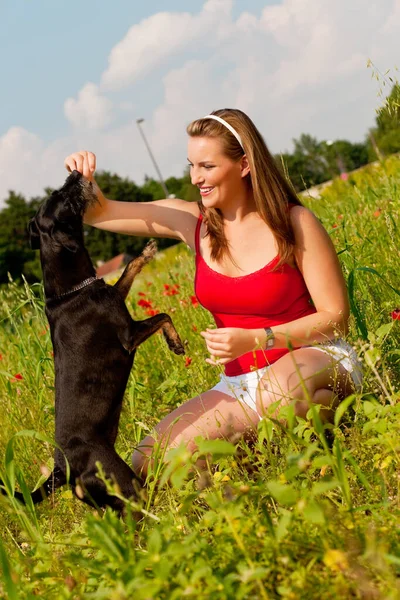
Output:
x,y
270,338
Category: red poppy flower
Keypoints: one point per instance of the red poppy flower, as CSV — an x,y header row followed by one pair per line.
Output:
x,y
152,311
144,303
194,328
1,357
334,226
166,286
396,314
377,213
141,294
171,292
188,361
17,377
148,283
194,300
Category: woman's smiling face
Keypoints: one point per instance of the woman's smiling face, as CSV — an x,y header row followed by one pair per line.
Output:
x,y
218,178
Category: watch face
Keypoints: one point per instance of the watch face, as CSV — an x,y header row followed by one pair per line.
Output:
x,y
270,337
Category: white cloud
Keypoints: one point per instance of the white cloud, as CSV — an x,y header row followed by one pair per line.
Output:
x,y
153,41
91,110
298,68
27,165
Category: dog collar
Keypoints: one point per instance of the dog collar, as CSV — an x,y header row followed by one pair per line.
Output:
x,y
81,285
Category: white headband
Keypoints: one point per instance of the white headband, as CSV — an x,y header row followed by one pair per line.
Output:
x,y
233,132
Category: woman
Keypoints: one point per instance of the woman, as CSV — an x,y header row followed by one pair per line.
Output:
x,y
265,268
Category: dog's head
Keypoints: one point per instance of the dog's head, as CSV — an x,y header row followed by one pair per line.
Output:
x,y
59,218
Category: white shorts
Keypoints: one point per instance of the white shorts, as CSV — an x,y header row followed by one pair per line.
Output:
x,y
244,387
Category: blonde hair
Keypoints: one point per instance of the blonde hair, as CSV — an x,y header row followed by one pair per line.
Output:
x,y
271,190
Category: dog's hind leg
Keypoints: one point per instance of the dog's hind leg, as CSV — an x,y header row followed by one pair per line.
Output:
x,y
56,480
134,267
91,489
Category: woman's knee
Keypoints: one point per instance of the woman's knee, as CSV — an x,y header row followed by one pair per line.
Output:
x,y
277,389
141,456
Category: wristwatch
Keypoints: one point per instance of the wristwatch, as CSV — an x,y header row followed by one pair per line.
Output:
x,y
270,338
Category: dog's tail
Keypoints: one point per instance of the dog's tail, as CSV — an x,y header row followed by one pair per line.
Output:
x,y
56,480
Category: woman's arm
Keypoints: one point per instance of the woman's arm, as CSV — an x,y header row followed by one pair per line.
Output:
x,y
172,218
318,262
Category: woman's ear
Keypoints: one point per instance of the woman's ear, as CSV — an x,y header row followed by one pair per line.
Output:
x,y
244,165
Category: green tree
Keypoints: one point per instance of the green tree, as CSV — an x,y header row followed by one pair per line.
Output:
x,y
385,137
180,187
307,165
314,162
15,250
343,156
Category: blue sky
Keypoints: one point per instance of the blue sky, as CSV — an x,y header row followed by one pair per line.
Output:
x,y
77,75
51,48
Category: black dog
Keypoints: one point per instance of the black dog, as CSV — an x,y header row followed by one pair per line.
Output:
x,y
94,340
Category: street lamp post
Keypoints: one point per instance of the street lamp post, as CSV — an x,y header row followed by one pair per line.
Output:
x,y
164,187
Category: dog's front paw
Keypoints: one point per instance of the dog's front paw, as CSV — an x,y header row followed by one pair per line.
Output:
x,y
176,346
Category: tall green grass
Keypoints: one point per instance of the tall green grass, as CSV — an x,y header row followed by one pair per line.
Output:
x,y
287,515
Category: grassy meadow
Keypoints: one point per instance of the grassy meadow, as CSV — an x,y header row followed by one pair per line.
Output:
x,y
290,515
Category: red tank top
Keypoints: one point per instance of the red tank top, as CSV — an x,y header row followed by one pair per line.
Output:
x,y
264,298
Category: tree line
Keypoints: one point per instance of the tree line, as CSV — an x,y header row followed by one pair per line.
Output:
x,y
311,162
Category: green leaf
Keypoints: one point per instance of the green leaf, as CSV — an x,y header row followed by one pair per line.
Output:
x,y
283,525
179,476
383,331
321,461
342,408
372,356
154,542
375,272
340,472
321,487
395,560
283,493
358,471
215,447
313,513
369,408
12,591
360,321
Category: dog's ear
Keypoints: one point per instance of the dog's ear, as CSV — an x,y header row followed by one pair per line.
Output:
x,y
34,236
65,240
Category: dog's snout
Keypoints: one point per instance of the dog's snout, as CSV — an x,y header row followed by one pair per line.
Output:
x,y
89,192
73,178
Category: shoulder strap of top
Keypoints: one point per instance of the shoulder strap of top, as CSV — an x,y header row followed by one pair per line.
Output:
x,y
197,233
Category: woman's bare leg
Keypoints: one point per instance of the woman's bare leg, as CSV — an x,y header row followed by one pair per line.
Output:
x,y
302,376
211,415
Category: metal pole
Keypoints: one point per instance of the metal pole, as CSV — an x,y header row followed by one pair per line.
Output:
x,y
164,187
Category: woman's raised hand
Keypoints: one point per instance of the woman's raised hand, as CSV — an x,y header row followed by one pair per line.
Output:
x,y
84,162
